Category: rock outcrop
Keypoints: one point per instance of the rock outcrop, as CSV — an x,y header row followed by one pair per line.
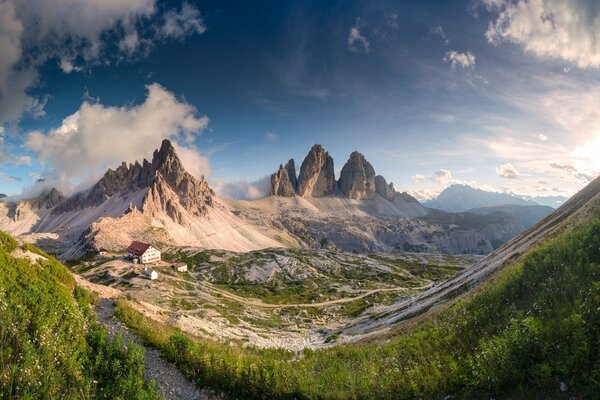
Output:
x,y
50,198
383,189
291,169
317,177
357,178
165,178
281,183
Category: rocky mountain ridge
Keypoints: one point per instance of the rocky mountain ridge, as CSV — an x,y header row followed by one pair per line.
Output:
x,y
157,201
357,180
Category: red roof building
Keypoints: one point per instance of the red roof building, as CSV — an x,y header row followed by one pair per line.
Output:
x,y
144,252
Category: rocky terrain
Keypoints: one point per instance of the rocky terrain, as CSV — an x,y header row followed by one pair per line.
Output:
x,y
362,212
158,201
377,225
245,297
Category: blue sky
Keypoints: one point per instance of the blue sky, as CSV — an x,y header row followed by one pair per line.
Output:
x,y
498,94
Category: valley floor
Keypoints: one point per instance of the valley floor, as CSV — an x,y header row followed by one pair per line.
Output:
x,y
279,298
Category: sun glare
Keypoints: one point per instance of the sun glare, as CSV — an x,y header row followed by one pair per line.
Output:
x,y
590,152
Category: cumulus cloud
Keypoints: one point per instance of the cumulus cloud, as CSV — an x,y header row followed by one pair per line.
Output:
x,y
76,33
508,171
464,60
418,178
561,29
442,176
542,137
243,190
97,136
357,42
271,137
179,24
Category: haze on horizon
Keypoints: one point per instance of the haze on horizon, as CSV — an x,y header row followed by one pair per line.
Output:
x,y
501,95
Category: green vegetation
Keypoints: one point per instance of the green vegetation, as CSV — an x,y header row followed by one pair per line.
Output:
x,y
51,346
531,331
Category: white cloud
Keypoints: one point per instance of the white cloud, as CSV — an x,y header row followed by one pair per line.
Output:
x,y
67,66
97,136
187,21
493,4
243,190
357,42
464,60
14,101
508,171
542,137
442,176
271,137
74,32
424,194
561,29
418,178
130,42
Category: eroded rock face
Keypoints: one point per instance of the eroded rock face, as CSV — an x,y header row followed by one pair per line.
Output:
x,y
357,178
281,184
383,189
50,198
291,169
317,177
166,179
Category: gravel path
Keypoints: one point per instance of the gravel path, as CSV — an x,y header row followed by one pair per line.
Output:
x,y
171,383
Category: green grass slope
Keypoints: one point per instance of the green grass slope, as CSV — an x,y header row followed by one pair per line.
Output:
x,y
530,331
50,345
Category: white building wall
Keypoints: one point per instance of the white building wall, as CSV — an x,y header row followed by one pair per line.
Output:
x,y
151,255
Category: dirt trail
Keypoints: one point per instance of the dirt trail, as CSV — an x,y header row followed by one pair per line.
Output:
x,y
249,301
259,303
171,383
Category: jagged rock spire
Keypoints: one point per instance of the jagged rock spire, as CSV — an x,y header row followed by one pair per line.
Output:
x,y
317,176
357,178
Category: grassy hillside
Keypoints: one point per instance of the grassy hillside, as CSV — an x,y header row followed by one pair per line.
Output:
x,y
531,331
50,345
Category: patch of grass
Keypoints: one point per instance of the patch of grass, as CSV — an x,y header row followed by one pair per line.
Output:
x,y
51,346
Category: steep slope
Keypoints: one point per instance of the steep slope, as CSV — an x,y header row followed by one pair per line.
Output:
x,y
459,198
21,216
579,208
157,201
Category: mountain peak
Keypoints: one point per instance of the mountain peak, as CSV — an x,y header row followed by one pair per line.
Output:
x,y
357,178
165,171
317,176
166,158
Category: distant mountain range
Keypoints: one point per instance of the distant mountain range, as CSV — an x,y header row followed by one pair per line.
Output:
x,y
460,198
